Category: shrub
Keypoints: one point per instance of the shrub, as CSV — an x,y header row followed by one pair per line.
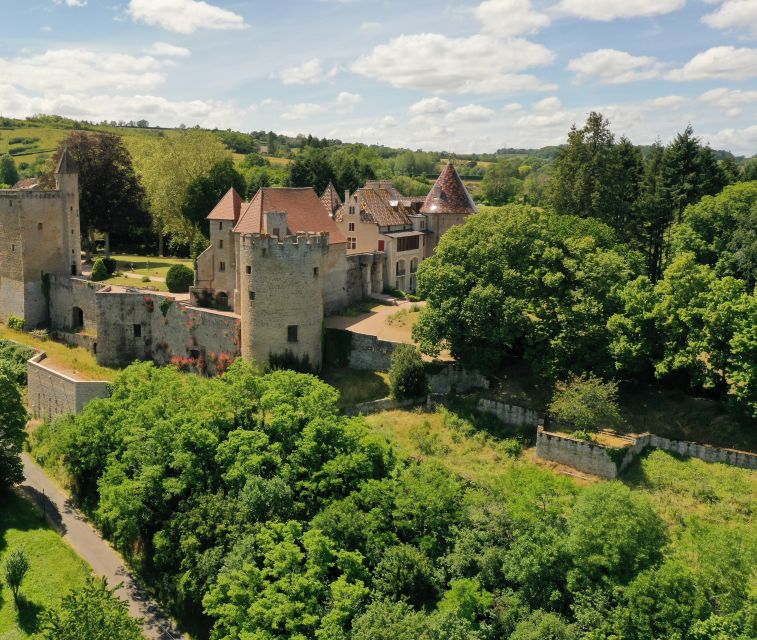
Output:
x,y
407,375
16,323
586,402
179,278
111,265
16,568
99,270
145,278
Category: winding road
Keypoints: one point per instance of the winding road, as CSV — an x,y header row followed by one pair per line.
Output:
x,y
103,559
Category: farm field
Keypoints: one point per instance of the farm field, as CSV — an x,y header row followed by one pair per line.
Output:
x,y
55,568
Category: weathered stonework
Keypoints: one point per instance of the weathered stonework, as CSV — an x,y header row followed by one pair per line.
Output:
x,y
508,413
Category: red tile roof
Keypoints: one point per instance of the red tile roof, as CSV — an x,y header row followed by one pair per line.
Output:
x,y
449,195
381,204
305,212
228,208
331,199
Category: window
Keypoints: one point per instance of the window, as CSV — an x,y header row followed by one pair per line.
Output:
x,y
414,265
423,224
292,333
39,226
248,269
381,245
352,209
252,295
276,232
408,243
220,226
222,266
220,244
315,272
13,247
137,330
351,226
351,242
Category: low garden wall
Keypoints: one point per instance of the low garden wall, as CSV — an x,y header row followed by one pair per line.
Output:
x,y
383,404
608,462
51,393
509,413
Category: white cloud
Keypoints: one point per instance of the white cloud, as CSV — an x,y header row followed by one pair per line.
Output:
x,y
734,14
72,3
430,106
470,113
184,16
371,27
606,10
344,103
719,63
309,72
665,102
47,28
476,64
512,107
738,140
729,101
611,66
78,70
166,50
510,17
547,105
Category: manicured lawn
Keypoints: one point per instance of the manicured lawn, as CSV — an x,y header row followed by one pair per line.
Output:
x,y
157,285
357,386
149,265
55,568
74,359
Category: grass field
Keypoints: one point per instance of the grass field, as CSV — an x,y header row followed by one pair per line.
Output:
x,y
55,568
357,386
136,282
151,266
75,359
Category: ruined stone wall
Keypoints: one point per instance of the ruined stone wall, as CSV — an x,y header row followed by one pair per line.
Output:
x,y
51,393
509,413
350,278
282,295
67,292
166,329
368,353
454,379
705,452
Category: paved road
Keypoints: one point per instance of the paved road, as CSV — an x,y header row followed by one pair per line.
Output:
x,y
103,559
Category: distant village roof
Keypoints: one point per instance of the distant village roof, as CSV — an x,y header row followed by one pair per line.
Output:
x,y
331,199
305,212
449,195
66,164
381,204
229,207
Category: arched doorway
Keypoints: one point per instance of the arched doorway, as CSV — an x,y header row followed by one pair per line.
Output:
x,y
77,318
222,300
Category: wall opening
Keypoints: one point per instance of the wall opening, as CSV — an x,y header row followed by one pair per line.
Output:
x,y
292,333
77,318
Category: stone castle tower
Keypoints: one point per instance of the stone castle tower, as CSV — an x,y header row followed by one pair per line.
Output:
x,y
39,235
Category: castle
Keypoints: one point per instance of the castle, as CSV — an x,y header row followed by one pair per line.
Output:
x,y
274,267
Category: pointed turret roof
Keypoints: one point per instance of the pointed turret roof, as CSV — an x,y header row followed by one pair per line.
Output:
x,y
449,195
331,199
66,164
228,208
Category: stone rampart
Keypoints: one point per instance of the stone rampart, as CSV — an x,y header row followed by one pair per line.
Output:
x,y
73,299
51,393
608,462
454,379
509,413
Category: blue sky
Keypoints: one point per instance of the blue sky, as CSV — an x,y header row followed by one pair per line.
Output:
x,y
461,76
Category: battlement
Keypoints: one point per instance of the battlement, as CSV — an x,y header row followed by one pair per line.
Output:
x,y
286,246
29,194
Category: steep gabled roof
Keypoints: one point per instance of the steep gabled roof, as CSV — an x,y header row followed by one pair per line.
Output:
x,y
449,195
66,164
381,204
228,208
331,199
305,212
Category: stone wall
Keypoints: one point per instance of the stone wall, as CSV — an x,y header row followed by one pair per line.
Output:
x,y
51,393
368,353
608,462
152,326
508,413
350,278
454,379
383,404
67,292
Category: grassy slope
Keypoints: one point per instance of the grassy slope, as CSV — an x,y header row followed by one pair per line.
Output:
x,y
73,358
55,568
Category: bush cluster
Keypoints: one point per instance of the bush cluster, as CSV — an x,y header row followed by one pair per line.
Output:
x,y
179,278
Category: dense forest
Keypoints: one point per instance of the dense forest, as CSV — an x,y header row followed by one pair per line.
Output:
x,y
255,510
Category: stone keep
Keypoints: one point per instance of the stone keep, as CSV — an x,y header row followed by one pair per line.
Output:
x,y
281,295
39,234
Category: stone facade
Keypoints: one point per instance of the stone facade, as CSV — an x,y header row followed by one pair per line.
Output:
x,y
509,413
51,393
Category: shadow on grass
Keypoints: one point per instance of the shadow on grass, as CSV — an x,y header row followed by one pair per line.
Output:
x,y
16,513
464,408
28,615
50,512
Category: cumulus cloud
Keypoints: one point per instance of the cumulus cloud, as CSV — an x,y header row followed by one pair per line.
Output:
x,y
475,64
184,16
547,116
729,63
470,113
738,140
734,14
344,103
370,27
665,102
166,50
610,66
510,17
78,70
309,72
606,10
428,106
729,101
72,3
